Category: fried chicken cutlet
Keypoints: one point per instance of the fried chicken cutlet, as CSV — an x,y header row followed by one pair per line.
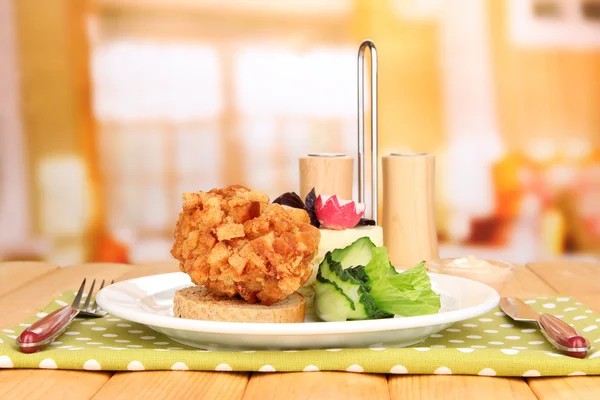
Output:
x,y
234,242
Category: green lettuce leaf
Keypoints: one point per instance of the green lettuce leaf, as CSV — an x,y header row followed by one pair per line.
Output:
x,y
363,274
407,294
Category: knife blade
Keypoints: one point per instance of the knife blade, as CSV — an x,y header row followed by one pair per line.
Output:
x,y
518,310
560,334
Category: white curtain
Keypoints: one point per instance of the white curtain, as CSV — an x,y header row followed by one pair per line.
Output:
x,y
470,112
14,206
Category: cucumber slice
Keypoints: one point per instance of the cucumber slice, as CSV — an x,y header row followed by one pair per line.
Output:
x,y
362,304
344,281
331,304
358,253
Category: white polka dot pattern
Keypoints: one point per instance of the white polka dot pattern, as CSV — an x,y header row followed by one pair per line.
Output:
x,y
398,369
179,366
6,362
48,363
223,367
443,371
310,368
492,337
355,368
487,372
135,366
92,365
465,350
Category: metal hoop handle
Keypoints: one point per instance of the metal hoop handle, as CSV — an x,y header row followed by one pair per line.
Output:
x,y
361,127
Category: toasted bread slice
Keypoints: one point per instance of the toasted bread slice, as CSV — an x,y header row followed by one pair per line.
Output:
x,y
196,302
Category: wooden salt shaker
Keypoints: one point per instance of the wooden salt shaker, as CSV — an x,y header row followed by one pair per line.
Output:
x,y
410,232
328,173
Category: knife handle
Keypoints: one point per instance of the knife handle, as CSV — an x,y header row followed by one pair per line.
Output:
x,y
45,330
562,336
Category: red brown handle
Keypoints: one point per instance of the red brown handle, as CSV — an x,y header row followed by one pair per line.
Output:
x,y
44,331
563,336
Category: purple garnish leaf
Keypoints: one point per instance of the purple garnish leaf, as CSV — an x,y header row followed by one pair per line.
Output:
x,y
290,199
366,222
311,200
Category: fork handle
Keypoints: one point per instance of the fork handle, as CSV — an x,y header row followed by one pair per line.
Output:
x,y
45,330
562,336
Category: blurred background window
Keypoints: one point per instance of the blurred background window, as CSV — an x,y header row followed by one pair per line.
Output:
x,y
186,114
554,23
16,239
110,109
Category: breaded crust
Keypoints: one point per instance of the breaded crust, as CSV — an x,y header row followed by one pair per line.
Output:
x,y
234,243
196,302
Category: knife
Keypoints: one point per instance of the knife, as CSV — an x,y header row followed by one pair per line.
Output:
x,y
560,334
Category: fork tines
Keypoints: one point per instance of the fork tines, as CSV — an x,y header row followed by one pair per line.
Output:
x,y
86,305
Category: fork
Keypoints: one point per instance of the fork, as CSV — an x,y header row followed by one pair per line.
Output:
x,y
43,332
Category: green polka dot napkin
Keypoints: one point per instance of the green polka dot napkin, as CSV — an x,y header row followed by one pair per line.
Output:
x,y
490,345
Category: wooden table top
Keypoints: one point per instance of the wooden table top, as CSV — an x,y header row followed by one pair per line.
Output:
x,y
27,287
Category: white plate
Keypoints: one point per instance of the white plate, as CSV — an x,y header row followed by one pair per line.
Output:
x,y
149,301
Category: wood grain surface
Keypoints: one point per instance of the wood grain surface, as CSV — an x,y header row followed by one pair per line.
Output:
x,y
33,285
579,280
25,301
569,278
15,274
44,384
164,385
316,385
431,387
